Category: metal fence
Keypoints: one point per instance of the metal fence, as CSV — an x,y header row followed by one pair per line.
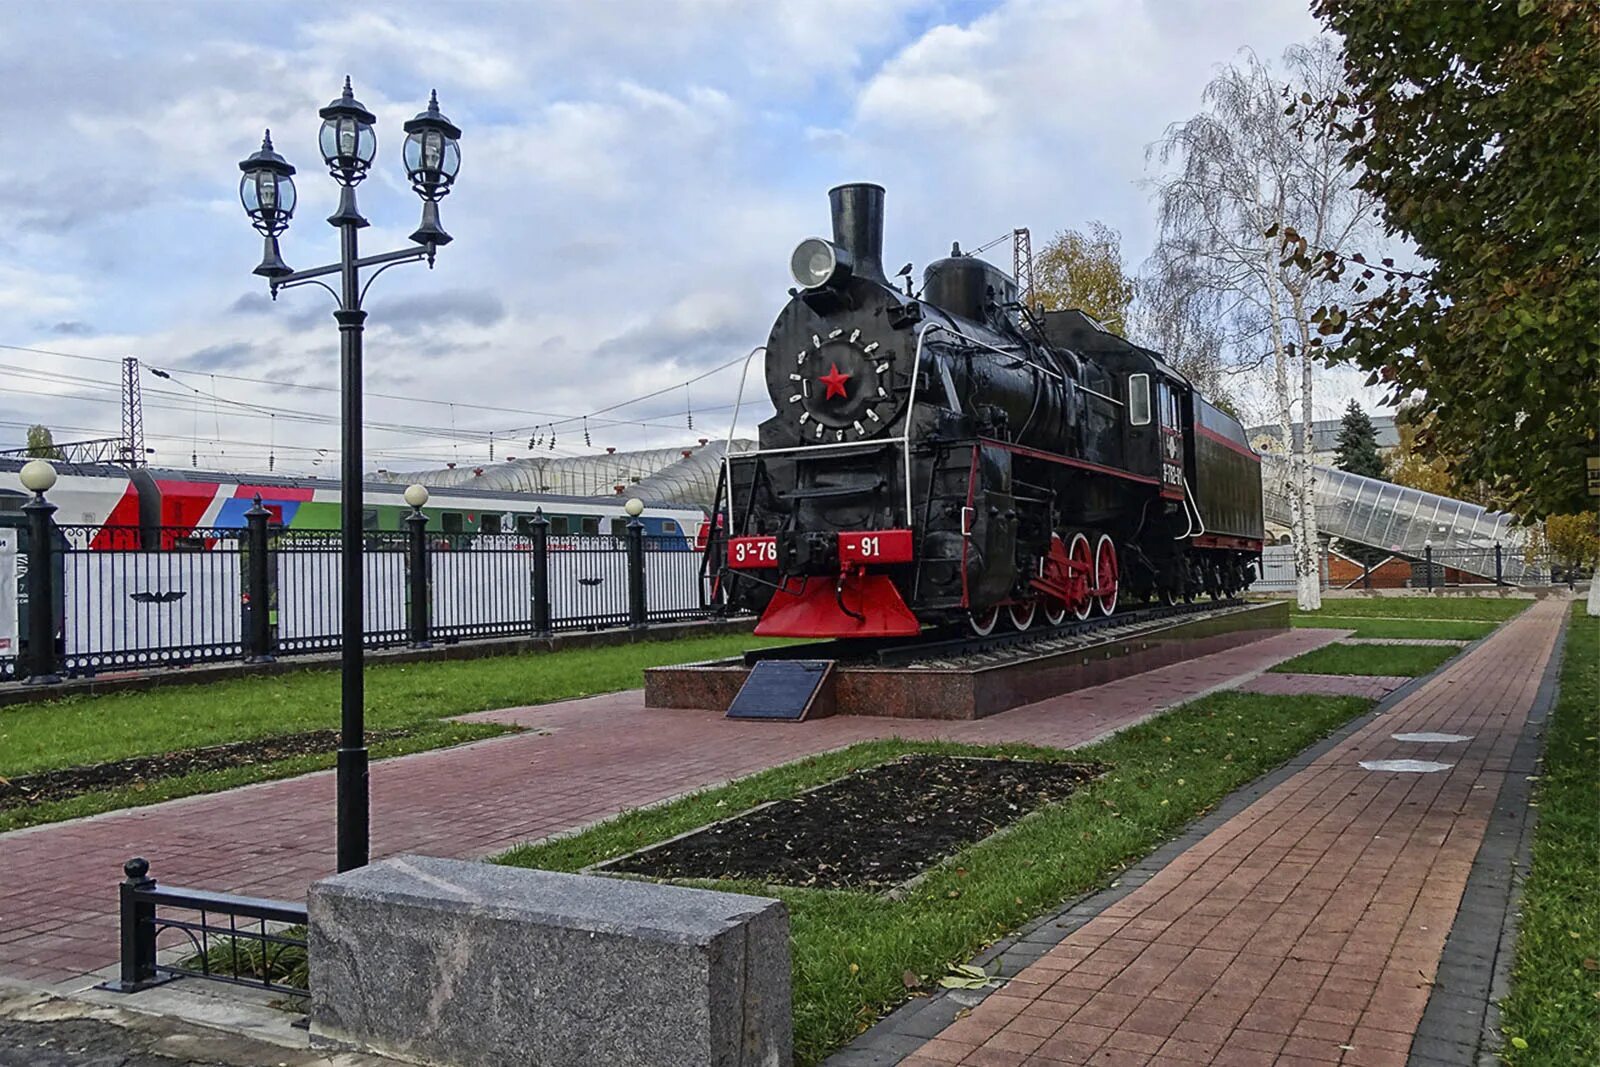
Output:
x,y
1458,568
129,598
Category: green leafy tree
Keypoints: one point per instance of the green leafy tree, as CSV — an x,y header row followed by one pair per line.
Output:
x,y
1358,444
1474,126
1084,271
42,444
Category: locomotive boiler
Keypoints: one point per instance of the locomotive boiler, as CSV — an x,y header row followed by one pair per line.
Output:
x,y
951,455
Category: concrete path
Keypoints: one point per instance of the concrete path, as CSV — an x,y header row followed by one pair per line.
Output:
x,y
1306,929
579,761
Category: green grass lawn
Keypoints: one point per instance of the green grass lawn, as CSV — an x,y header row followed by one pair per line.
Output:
x,y
1552,1015
1482,608
1449,630
852,949
1397,660
93,729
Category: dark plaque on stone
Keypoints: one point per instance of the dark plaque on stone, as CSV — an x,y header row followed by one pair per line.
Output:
x,y
787,690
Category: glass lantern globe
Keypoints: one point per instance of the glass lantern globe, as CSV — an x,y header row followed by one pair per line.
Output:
x,y
347,140
266,189
432,153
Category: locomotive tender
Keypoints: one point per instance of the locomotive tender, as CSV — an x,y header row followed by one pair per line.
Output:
x,y
956,457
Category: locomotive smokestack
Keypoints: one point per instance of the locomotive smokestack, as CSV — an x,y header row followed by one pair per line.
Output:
x,y
858,227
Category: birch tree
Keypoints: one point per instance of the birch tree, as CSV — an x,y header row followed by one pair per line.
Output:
x,y
1236,178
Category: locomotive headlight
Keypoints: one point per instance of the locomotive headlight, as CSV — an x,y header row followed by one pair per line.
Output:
x,y
817,262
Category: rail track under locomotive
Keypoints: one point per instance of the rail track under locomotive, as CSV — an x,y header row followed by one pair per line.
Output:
x,y
951,456
902,652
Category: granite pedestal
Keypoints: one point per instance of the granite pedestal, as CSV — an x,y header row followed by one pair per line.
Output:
x,y
474,965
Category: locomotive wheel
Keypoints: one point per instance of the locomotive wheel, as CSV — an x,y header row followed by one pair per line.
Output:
x,y
1022,614
1083,560
982,622
1105,573
1055,611
1168,598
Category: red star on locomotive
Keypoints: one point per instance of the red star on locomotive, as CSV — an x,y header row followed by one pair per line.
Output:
x,y
834,381
990,461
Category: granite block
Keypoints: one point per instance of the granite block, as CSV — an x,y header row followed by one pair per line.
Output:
x,y
474,965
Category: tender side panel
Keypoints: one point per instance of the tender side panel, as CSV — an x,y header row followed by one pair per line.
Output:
x,y
1228,475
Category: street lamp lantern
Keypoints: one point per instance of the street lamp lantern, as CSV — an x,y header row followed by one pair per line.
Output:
x,y
38,476
349,144
432,157
267,192
348,141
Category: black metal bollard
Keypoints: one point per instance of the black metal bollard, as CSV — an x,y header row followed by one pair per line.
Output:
x,y
1499,565
41,591
1366,571
417,550
540,527
138,922
257,586
1427,559
636,605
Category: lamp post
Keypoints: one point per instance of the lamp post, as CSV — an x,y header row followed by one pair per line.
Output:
x,y
39,477
348,143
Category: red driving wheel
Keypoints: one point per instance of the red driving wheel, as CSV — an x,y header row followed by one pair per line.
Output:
x,y
1105,574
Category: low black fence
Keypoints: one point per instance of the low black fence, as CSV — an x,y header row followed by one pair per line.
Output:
x,y
221,937
127,598
1357,567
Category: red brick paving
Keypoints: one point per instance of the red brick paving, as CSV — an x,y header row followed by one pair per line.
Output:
x,y
1305,930
591,759
1373,687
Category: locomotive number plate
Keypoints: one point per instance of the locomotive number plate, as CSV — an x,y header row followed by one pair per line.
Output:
x,y
752,553
875,546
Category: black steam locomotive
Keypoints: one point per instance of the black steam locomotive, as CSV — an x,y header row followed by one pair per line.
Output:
x,y
954,456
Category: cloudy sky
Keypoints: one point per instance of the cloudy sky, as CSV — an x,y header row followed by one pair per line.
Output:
x,y
634,177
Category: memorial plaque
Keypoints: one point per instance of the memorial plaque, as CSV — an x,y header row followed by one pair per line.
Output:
x,y
785,690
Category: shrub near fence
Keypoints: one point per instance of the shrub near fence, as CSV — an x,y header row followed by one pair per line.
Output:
x,y
133,598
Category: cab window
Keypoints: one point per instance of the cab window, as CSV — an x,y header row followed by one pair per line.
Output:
x,y
1139,399
452,522
560,526
490,524
591,524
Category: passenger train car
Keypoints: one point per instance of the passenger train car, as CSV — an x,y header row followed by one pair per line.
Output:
x,y
177,503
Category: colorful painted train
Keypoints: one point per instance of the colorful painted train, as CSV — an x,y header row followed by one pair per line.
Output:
x,y
957,457
169,506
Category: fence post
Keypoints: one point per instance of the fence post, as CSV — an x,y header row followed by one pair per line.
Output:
x,y
541,572
138,922
257,588
39,476
1427,557
1366,570
636,607
417,572
1499,564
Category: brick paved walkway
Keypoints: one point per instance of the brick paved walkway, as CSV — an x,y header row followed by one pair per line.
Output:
x,y
582,760
1371,686
1306,929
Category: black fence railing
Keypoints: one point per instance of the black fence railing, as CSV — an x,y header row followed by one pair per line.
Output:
x,y
1356,567
169,933
129,598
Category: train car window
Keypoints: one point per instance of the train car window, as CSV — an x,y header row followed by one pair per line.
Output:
x,y
560,526
452,522
668,526
369,518
591,524
490,524
1139,399
619,527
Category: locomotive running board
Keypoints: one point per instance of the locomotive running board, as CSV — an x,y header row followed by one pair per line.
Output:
x,y
790,690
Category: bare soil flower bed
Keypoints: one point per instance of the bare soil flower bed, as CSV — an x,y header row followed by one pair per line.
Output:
x,y
68,782
869,830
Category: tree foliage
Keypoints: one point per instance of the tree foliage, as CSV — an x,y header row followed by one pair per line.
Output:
x,y
1574,539
41,443
1474,125
1084,271
1175,314
1358,444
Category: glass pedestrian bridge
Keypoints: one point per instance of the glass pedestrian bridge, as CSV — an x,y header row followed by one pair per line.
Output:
x,y
1402,521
